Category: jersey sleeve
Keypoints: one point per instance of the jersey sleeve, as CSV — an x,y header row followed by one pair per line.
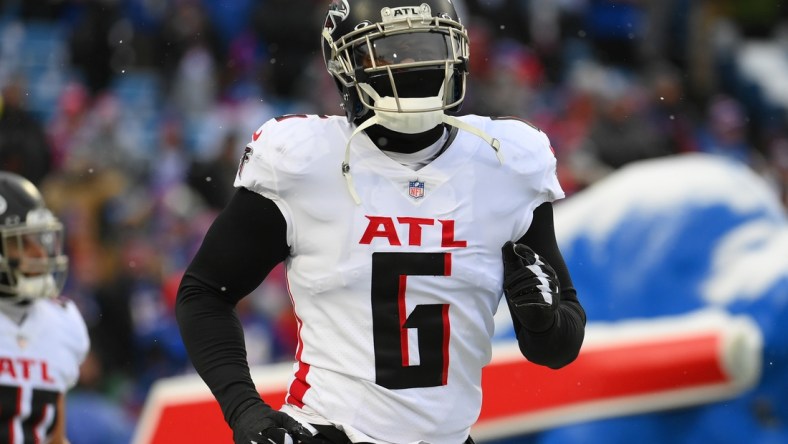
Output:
x,y
529,154
548,184
75,334
529,165
257,170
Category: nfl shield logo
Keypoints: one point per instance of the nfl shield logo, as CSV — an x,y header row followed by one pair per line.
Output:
x,y
416,189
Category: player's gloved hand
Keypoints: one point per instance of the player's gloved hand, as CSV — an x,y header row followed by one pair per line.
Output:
x,y
264,425
531,286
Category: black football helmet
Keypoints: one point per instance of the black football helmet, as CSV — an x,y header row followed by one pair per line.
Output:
x,y
32,263
396,56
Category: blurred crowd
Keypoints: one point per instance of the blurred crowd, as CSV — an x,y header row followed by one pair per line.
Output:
x,y
132,115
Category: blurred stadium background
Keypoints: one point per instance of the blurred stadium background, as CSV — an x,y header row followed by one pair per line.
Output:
x,y
668,119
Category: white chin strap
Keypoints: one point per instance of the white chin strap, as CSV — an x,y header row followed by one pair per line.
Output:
x,y
405,115
409,122
43,286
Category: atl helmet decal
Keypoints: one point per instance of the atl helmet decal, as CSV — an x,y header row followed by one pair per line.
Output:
x,y
337,13
3,205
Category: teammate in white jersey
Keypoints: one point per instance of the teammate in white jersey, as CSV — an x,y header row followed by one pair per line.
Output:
x,y
401,227
43,338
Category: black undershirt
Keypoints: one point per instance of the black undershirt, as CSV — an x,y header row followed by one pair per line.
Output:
x,y
246,241
389,140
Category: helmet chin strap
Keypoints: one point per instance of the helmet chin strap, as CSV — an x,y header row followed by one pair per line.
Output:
x,y
409,122
43,286
406,117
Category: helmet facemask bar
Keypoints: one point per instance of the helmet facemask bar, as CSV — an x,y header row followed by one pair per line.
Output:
x,y
350,69
32,265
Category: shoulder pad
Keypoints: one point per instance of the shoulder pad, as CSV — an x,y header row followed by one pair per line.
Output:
x,y
285,127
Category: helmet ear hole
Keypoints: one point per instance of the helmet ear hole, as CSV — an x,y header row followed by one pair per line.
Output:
x,y
354,109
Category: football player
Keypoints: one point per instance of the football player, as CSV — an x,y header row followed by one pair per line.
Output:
x,y
401,226
43,338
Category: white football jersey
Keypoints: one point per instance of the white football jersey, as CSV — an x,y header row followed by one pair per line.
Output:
x,y
395,296
39,360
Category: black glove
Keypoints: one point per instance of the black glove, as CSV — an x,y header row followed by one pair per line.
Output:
x,y
260,424
531,286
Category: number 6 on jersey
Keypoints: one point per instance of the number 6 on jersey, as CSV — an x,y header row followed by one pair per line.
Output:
x,y
391,322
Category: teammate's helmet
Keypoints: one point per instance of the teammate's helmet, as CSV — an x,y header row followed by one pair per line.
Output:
x,y
396,56
32,263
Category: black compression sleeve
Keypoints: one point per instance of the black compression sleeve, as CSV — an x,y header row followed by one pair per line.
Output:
x,y
560,344
244,243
